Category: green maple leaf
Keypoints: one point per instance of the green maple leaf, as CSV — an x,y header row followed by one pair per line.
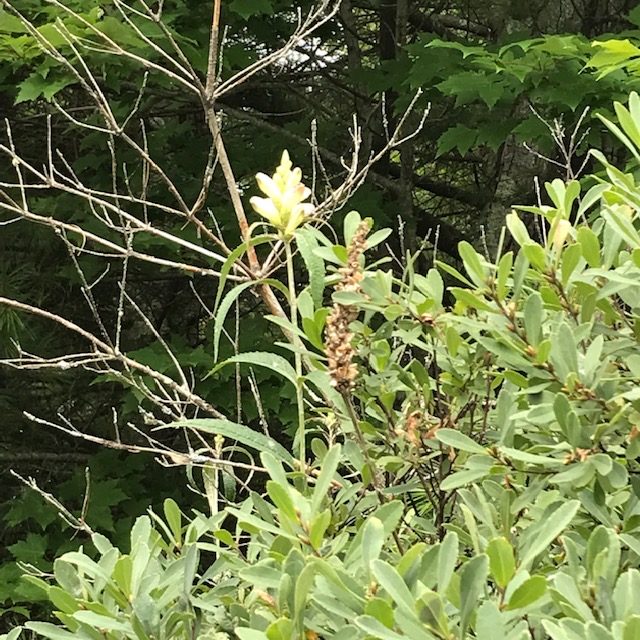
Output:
x,y
469,86
458,137
248,8
36,86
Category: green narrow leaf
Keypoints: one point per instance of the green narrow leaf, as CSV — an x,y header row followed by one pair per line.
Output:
x,y
470,299
593,356
313,328
173,517
62,600
86,565
305,304
432,612
527,593
345,589
618,133
459,440
324,480
567,419
250,634
590,198
517,229
502,562
557,522
571,258
473,578
286,324
625,594
274,467
231,260
318,527
531,458
447,560
191,561
307,244
351,222
623,225
223,310
376,629
504,271
101,543
372,540
472,263
435,285
377,237
462,478
254,524
533,316
336,254
490,622
280,497
391,581
99,621
280,629
631,628
238,432
564,352
270,361
634,98
554,631
390,515
596,631
447,268
48,630
536,255
304,584
520,270
381,610
590,246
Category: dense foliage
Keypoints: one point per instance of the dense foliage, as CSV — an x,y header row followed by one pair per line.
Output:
x,y
473,475
444,444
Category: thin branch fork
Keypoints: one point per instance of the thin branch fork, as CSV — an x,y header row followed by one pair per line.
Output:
x,y
177,458
97,199
117,251
112,127
111,354
75,522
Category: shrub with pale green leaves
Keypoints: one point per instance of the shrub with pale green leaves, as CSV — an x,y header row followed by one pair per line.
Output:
x,y
466,472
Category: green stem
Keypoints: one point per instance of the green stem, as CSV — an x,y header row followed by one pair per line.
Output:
x,y
293,305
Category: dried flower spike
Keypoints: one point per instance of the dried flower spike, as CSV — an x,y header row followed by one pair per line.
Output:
x,y
337,335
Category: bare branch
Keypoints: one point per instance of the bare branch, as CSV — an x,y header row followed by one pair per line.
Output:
x,y
76,522
110,353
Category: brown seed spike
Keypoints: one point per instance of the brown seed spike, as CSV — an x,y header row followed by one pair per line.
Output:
x,y
337,336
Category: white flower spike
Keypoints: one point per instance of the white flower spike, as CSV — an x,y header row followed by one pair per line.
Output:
x,y
284,206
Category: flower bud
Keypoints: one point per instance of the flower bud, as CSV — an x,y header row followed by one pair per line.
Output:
x,y
562,230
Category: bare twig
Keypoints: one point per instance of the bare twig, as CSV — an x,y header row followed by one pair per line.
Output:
x,y
77,522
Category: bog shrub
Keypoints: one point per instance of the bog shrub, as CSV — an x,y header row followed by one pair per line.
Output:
x,y
470,468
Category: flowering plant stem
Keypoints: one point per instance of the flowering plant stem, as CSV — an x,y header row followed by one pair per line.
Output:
x,y
293,305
